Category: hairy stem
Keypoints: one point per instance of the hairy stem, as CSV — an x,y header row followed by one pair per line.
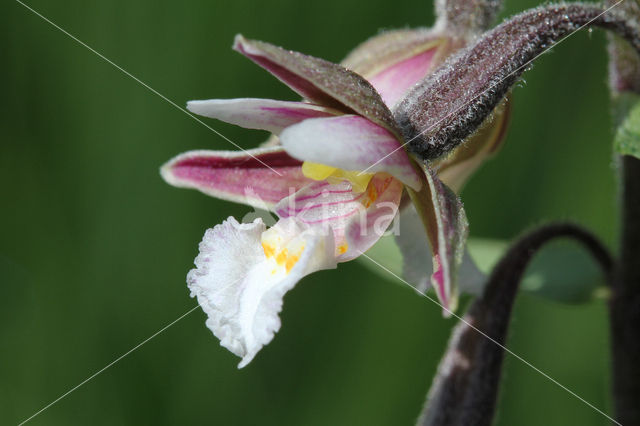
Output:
x,y
466,18
465,389
450,104
624,306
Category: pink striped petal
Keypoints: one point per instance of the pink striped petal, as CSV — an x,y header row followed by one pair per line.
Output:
x,y
394,61
352,143
320,81
263,114
239,176
357,220
364,231
391,47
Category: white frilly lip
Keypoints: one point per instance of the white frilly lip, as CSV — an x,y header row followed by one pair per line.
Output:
x,y
241,289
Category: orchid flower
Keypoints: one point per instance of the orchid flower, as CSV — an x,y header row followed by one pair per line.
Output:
x,y
335,177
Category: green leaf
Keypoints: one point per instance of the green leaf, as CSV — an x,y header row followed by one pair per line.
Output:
x,y
387,253
626,110
562,271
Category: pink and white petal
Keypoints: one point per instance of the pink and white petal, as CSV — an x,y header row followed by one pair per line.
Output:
x,y
391,47
320,81
238,176
262,114
413,243
393,82
364,230
357,220
447,228
350,142
323,204
241,289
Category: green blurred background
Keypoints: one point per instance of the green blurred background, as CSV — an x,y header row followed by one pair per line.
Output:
x,y
94,246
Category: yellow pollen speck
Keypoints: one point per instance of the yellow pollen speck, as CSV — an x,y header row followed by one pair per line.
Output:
x,y
291,262
372,193
269,250
372,196
315,171
342,248
281,258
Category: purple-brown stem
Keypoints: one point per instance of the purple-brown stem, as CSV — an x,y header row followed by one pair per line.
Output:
x,y
624,305
465,389
450,104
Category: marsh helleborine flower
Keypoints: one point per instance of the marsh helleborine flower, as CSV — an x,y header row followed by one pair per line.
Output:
x,y
334,173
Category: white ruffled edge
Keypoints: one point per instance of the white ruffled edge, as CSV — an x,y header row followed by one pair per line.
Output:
x,y
233,283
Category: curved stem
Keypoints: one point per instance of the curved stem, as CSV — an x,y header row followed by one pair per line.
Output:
x,y
451,103
465,389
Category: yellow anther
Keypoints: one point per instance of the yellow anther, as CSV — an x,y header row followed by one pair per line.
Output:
x,y
315,171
